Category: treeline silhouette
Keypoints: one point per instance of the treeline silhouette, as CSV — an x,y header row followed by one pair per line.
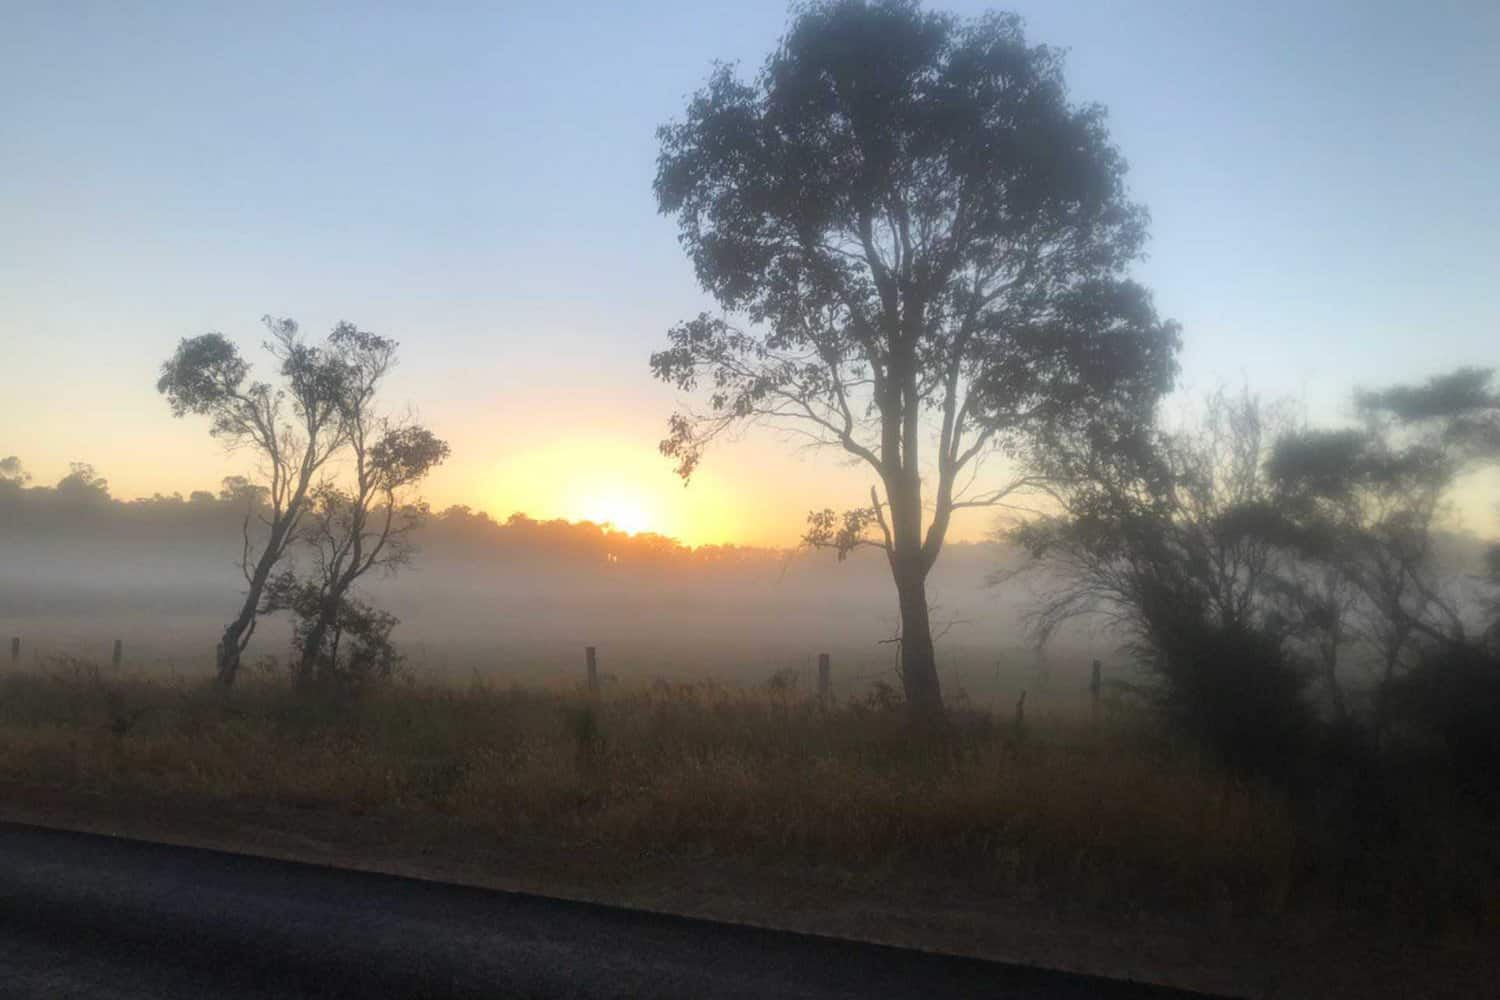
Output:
x,y
80,507
515,596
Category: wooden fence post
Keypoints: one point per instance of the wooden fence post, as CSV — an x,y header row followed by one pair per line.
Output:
x,y
1095,684
825,681
15,652
591,661
118,654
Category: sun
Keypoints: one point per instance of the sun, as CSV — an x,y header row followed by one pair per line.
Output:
x,y
624,513
620,482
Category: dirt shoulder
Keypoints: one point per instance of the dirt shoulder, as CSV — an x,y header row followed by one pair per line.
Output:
x,y
1223,956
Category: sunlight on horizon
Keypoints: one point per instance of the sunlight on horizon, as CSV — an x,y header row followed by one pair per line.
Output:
x,y
620,510
623,483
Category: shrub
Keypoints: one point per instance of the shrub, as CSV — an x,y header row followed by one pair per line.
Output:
x,y
1234,690
1452,699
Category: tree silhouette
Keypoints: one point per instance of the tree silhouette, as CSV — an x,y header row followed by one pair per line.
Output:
x,y
13,472
1363,502
926,243
293,430
368,525
1246,553
1168,538
82,485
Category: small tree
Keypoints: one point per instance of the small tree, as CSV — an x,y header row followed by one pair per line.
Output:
x,y
368,525
1364,503
13,472
1172,539
1151,513
82,486
927,242
292,429
353,648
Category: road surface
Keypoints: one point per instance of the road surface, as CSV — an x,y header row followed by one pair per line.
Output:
x,y
90,916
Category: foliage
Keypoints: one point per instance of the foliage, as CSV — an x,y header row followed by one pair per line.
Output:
x,y
12,472
1241,557
925,238
1451,697
1233,690
323,405
1153,519
346,653
1364,503
82,487
1170,538
293,429
368,525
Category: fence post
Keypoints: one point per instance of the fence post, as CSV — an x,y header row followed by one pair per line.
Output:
x,y
118,654
15,652
825,681
591,661
1095,684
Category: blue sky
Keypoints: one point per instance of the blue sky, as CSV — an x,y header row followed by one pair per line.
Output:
x,y
475,180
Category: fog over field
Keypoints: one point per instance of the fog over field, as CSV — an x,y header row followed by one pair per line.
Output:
x,y
513,600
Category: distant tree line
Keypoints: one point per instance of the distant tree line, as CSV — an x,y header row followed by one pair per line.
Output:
x,y
81,506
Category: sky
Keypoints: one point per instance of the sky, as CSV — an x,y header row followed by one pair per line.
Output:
x,y
475,181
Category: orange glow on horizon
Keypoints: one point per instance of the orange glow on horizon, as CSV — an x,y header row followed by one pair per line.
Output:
x,y
623,484
752,492
621,510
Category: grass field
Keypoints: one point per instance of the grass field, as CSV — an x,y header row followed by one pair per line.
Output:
x,y
1108,817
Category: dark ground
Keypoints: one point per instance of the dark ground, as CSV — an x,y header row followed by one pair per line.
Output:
x,y
86,915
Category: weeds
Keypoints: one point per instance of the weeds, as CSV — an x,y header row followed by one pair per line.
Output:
x,y
1112,815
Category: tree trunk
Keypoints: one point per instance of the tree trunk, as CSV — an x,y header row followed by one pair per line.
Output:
x,y
235,634
919,678
235,631
909,566
1387,682
229,652
312,643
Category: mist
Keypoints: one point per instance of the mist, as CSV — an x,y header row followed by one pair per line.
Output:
x,y
508,601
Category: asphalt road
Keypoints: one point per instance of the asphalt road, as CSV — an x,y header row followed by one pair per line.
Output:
x,y
90,916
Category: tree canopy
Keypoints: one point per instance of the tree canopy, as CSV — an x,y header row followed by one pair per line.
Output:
x,y
919,242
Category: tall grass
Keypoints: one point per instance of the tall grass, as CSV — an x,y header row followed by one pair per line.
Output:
x,y
1113,815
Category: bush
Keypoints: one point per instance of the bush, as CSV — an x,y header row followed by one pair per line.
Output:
x,y
1235,691
355,651
1452,700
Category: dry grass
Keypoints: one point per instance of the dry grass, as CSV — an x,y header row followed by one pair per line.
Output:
x,y
1110,816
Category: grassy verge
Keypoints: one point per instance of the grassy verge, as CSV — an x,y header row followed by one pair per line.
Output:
x,y
1102,824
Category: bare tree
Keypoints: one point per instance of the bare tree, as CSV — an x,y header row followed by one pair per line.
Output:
x,y
293,428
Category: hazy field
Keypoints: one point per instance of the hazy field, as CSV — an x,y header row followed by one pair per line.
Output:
x,y
161,577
